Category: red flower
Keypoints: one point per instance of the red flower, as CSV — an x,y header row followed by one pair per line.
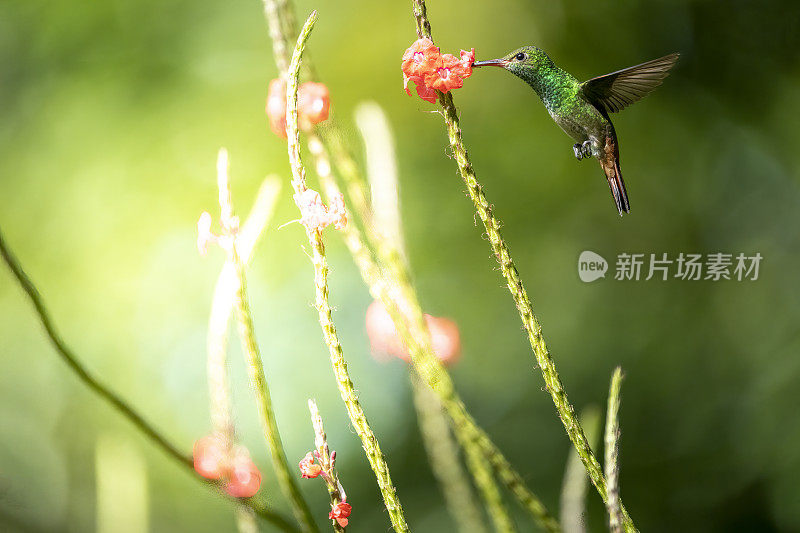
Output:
x,y
313,105
468,58
431,70
245,479
445,339
449,75
383,337
420,58
340,512
425,92
308,468
313,102
276,106
210,456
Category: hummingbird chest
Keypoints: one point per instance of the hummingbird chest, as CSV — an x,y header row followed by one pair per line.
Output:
x,y
580,120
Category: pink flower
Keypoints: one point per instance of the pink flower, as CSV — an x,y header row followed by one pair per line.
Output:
x,y
445,339
420,58
210,456
340,512
468,58
449,75
430,70
308,468
315,215
383,337
425,92
313,105
245,478
276,106
314,102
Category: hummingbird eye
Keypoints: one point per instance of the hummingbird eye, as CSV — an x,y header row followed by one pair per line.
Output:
x,y
520,56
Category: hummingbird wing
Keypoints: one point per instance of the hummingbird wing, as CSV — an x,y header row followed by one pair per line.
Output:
x,y
614,92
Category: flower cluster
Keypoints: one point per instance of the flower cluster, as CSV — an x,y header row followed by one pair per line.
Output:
x,y
325,467
433,71
384,339
316,215
308,468
313,105
339,512
213,459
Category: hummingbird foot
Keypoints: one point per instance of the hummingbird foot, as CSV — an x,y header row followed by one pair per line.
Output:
x,y
582,150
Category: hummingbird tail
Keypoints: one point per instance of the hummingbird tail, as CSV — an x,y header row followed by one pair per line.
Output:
x,y
617,185
610,163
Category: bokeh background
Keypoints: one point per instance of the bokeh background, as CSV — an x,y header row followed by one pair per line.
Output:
x,y
111,114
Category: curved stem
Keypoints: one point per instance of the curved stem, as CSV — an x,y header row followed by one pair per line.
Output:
x,y
612,453
255,367
443,457
576,483
258,381
346,389
109,396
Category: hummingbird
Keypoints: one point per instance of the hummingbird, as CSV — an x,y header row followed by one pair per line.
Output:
x,y
582,109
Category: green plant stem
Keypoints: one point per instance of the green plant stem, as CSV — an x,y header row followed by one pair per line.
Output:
x,y
255,367
218,325
612,453
346,389
258,380
514,282
328,464
384,213
109,396
443,456
222,308
576,482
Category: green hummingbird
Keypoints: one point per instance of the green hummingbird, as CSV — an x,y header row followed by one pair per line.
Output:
x,y
581,109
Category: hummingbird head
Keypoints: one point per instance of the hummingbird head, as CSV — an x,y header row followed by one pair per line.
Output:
x,y
523,62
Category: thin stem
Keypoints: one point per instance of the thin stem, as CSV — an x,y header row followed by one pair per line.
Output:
x,y
326,460
109,396
612,453
384,212
443,456
354,410
514,282
576,482
218,325
222,307
255,367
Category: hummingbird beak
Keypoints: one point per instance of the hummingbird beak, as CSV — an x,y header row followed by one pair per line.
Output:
x,y
491,63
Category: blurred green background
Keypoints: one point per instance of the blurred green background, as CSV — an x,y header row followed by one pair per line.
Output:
x,y
111,114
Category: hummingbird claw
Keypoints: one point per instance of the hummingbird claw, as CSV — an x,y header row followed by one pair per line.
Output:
x,y
582,150
586,148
